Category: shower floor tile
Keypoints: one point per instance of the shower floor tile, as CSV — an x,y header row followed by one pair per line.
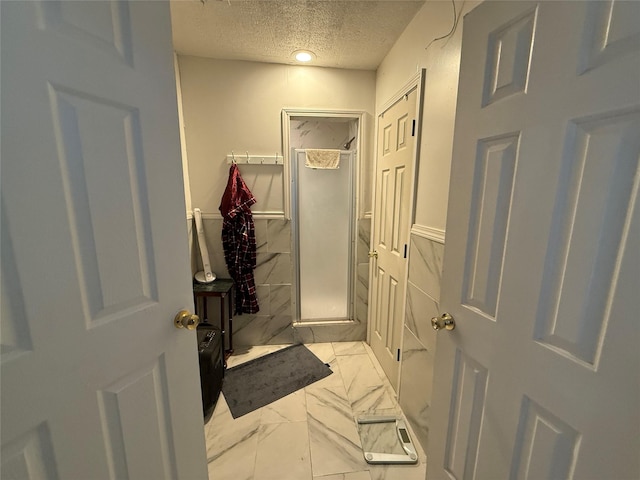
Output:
x,y
312,433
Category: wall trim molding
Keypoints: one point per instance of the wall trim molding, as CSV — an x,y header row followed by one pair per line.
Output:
x,y
430,233
256,216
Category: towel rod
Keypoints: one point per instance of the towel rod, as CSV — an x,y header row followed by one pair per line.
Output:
x,y
255,159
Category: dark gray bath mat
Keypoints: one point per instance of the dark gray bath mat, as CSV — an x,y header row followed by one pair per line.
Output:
x,y
266,379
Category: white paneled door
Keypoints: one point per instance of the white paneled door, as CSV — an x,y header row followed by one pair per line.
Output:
x,y
541,376
96,380
391,224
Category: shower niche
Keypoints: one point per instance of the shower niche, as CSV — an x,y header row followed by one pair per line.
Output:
x,y
323,209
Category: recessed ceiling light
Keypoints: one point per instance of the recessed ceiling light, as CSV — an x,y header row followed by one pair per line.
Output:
x,y
304,55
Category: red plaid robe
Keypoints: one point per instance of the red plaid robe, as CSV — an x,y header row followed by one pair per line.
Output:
x,y
239,241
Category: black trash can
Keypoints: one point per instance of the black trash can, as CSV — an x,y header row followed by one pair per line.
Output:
x,y
211,366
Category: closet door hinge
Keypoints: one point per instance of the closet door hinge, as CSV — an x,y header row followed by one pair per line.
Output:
x,y
413,128
398,358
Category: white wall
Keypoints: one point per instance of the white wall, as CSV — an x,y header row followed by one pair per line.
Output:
x,y
183,145
236,106
442,63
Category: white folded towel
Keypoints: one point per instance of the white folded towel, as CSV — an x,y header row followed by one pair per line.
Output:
x,y
322,158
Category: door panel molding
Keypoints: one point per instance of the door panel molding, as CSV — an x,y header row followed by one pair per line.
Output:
x,y
391,239
540,272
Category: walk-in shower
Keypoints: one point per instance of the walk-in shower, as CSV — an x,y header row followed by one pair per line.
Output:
x,y
323,229
323,226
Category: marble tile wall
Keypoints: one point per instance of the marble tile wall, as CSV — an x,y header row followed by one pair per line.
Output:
x,y
320,133
362,265
423,295
273,276
425,265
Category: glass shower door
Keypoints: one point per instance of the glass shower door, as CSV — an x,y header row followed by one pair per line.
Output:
x,y
324,219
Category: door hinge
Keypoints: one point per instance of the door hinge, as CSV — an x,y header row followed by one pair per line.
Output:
x,y
398,357
405,250
413,128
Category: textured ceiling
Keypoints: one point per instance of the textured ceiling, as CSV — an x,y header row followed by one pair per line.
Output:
x,y
353,34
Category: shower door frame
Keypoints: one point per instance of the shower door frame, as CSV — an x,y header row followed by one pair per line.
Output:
x,y
290,197
295,232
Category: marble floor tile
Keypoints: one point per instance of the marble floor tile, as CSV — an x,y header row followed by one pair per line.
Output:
x,y
349,348
283,452
369,399
346,476
333,380
397,472
376,364
333,436
311,434
238,463
223,429
324,351
231,444
292,408
358,372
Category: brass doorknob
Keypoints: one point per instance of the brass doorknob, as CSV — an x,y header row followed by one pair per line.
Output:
x,y
445,321
373,254
185,319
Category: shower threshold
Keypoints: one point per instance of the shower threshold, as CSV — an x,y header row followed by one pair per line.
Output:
x,y
323,322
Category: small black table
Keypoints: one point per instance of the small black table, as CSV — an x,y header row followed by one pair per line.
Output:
x,y
221,288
